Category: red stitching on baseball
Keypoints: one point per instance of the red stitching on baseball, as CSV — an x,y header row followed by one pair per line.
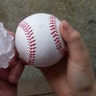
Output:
x,y
54,33
30,40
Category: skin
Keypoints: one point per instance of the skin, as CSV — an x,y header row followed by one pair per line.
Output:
x,y
72,76
9,77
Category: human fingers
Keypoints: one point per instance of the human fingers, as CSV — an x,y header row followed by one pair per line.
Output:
x,y
4,73
16,73
79,62
76,47
13,62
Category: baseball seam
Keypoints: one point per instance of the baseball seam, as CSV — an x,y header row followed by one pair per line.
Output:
x,y
55,35
30,41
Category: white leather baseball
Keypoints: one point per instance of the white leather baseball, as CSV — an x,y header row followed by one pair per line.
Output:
x,y
38,40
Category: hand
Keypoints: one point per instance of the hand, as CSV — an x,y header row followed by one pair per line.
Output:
x,y
9,77
73,75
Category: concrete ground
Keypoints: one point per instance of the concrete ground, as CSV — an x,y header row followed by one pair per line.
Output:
x,y
80,13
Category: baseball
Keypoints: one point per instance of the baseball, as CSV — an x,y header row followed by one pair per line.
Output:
x,y
38,40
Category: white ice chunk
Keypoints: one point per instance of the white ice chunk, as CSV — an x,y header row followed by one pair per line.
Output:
x,y
5,65
10,37
4,59
1,24
2,46
3,31
6,47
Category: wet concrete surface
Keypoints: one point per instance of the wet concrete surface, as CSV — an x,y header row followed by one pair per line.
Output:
x,y
80,13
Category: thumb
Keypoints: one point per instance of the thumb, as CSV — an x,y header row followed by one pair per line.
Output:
x,y
75,44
